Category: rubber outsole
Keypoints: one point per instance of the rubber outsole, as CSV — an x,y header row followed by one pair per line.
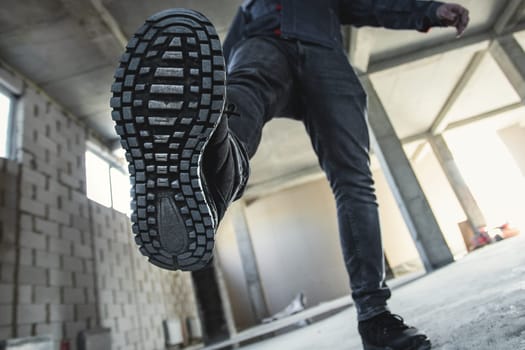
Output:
x,y
416,345
168,98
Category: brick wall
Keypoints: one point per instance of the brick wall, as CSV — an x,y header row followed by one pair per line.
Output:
x,y
9,171
114,274
155,289
68,264
56,278
135,296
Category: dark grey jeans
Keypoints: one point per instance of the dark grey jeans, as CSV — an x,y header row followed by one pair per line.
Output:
x,y
271,76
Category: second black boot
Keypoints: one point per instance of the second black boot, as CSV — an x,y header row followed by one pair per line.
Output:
x,y
185,165
387,331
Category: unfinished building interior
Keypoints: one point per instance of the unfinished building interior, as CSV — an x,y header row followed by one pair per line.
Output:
x,y
447,123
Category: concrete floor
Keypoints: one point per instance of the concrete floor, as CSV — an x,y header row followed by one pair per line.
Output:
x,y
476,303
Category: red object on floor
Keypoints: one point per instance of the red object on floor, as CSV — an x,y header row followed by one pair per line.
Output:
x,y
65,344
480,239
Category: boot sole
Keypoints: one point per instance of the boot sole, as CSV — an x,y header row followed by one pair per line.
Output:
x,y
168,98
426,345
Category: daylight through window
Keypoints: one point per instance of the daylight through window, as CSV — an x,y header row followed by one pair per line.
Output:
x,y
107,183
6,109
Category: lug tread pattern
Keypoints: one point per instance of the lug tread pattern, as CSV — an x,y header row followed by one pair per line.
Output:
x,y
168,97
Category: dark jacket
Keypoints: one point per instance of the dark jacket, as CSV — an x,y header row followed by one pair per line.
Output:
x,y
319,21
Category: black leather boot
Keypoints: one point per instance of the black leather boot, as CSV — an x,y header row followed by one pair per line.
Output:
x,y
388,332
185,165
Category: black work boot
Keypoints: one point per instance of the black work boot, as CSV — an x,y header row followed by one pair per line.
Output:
x,y
388,332
186,167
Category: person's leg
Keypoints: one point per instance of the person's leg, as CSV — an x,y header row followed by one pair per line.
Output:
x,y
335,119
259,86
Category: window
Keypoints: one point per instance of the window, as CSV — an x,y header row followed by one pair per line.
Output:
x,y
120,190
107,183
98,180
6,112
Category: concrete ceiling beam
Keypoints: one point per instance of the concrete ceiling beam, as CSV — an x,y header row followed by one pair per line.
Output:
x,y
510,57
415,137
442,119
498,112
485,116
419,152
472,43
361,43
507,52
110,22
101,28
510,16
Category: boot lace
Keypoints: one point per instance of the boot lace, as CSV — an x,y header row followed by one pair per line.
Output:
x,y
392,322
383,326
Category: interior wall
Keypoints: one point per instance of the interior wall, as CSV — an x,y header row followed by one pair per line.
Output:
x,y
227,252
514,139
398,244
68,264
491,171
296,242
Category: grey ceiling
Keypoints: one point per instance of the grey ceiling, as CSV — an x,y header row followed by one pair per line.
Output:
x,y
69,48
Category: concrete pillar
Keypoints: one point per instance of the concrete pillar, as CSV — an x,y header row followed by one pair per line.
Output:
x,y
225,298
510,57
249,261
462,191
361,43
405,187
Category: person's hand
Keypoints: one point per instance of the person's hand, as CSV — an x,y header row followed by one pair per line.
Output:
x,y
454,15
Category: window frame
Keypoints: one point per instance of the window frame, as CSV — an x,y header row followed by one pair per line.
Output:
x,y
112,164
10,144
121,170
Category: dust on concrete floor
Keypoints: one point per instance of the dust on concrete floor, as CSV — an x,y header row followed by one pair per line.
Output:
x,y
476,303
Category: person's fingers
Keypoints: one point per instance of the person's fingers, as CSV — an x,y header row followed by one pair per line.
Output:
x,y
448,15
462,22
454,15
459,30
465,18
455,7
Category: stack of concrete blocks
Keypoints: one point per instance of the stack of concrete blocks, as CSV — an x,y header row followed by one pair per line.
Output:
x,y
155,290
9,171
114,276
75,266
56,289
135,296
53,284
